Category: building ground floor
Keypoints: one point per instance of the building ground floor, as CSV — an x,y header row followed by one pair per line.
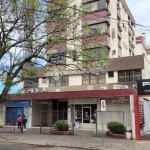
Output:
x,y
79,108
85,112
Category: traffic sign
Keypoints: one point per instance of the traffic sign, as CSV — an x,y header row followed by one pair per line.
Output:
x,y
103,105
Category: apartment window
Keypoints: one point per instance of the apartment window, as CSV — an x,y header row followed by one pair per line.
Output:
x,y
92,79
129,75
121,76
44,80
137,74
62,81
110,74
31,83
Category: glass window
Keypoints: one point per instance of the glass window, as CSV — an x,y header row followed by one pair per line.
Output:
x,y
137,74
31,83
121,76
110,74
93,79
85,79
52,81
129,75
102,4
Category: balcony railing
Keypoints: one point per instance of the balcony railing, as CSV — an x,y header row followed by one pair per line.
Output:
x,y
131,31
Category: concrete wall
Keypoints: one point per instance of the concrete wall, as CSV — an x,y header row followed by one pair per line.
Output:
x,y
2,115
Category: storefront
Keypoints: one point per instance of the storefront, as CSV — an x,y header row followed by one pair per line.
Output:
x,y
15,108
85,112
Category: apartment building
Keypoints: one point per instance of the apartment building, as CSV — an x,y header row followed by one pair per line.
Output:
x,y
57,90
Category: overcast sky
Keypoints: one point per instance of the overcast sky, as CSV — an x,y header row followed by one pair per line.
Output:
x,y
141,12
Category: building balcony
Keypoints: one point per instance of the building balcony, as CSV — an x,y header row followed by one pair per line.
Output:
x,y
131,46
96,17
131,31
93,41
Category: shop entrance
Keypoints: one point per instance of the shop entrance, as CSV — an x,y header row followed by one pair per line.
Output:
x,y
85,116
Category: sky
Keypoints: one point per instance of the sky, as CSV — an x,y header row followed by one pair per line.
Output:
x,y
141,13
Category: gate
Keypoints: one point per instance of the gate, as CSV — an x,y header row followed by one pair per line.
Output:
x,y
9,120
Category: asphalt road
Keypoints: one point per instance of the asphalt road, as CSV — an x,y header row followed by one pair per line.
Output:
x,y
15,146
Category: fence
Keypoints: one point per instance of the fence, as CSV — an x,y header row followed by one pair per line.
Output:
x,y
9,121
48,119
104,117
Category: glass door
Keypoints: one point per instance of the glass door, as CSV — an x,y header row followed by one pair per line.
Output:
x,y
86,114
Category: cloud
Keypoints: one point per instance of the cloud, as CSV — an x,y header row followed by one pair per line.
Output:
x,y
141,13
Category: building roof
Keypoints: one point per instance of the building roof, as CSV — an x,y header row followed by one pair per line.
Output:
x,y
126,63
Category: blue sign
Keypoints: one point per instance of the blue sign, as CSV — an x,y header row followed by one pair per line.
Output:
x,y
17,103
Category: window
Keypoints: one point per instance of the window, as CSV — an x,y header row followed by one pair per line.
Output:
x,y
62,81
121,76
44,80
129,75
110,74
93,79
31,83
137,74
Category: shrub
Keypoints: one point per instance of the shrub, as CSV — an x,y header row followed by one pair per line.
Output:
x,y
62,126
116,127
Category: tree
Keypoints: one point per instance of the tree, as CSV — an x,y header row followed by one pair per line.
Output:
x,y
29,30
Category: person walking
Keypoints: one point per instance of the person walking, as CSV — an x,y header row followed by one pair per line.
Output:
x,y
19,121
24,122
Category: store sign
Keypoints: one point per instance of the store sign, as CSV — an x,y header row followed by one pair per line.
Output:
x,y
143,87
84,101
17,103
141,114
103,105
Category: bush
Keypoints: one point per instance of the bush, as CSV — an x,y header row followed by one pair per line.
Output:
x,y
62,126
116,127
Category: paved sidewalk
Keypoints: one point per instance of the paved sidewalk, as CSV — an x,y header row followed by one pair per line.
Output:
x,y
82,139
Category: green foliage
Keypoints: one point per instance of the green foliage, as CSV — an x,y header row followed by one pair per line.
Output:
x,y
116,127
62,126
32,72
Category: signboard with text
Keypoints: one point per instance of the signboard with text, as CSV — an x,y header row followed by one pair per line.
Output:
x,y
103,105
143,87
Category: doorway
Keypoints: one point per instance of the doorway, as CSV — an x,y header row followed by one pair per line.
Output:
x,y
86,114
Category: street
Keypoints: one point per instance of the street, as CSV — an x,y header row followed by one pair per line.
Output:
x,y
15,146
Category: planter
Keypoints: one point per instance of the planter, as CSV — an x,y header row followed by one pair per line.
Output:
x,y
57,132
128,135
114,135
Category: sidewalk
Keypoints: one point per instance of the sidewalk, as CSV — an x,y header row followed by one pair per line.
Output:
x,y
82,139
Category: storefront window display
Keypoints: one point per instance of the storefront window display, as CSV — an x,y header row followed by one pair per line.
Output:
x,y
85,113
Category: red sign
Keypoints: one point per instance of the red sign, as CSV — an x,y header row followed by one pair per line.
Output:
x,y
103,105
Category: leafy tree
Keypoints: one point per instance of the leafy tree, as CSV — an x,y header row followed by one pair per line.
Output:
x,y
29,30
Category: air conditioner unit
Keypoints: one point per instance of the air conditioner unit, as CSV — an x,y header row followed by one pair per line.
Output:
x,y
30,91
45,89
124,87
103,87
35,90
